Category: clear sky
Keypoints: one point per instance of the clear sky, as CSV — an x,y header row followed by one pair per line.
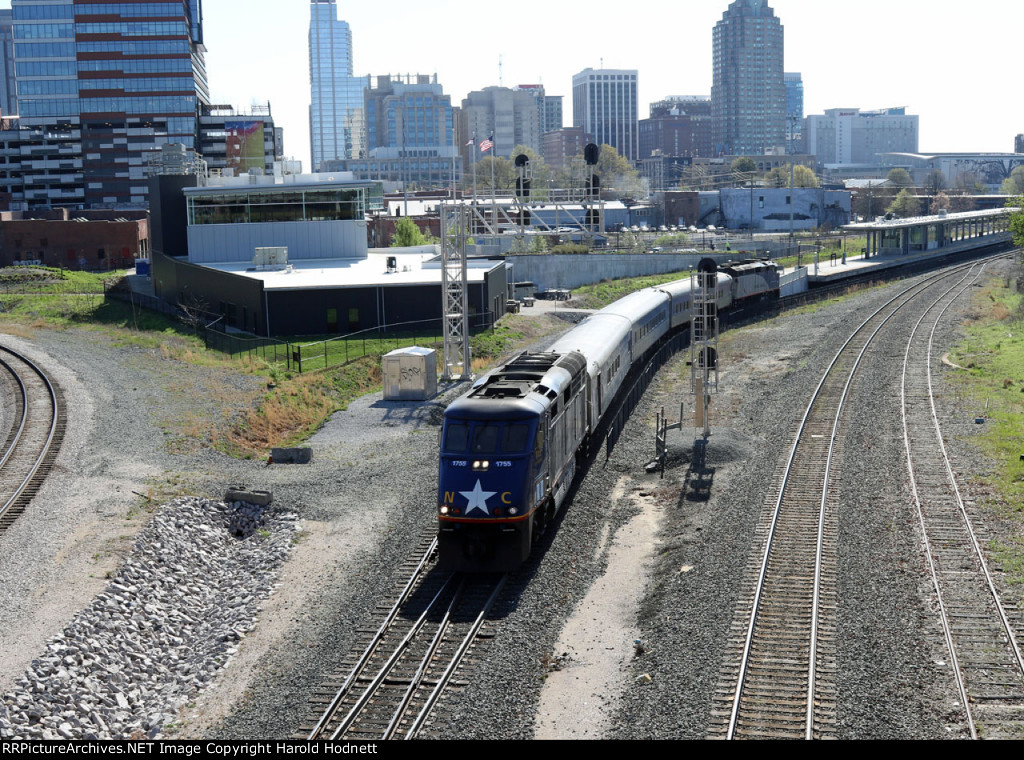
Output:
x,y
955,64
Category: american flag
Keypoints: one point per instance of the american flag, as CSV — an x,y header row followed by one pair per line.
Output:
x,y
486,145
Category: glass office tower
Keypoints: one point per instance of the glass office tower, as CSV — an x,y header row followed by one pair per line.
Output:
x,y
336,122
120,79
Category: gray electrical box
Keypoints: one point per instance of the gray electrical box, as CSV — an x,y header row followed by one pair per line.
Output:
x,y
410,374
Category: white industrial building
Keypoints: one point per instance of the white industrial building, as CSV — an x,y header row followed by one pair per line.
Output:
x,y
851,136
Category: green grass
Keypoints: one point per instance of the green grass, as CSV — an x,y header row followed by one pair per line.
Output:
x,y
1011,559
290,408
491,344
54,281
287,412
336,351
853,249
608,291
993,355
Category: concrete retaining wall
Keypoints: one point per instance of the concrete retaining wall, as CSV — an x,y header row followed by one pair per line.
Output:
x,y
563,270
793,283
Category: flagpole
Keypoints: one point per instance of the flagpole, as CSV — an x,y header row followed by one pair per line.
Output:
x,y
475,146
494,191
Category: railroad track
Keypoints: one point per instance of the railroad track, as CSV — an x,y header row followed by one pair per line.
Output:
x,y
397,675
981,634
35,429
779,680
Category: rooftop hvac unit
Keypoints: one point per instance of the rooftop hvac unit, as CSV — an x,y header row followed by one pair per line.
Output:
x,y
270,258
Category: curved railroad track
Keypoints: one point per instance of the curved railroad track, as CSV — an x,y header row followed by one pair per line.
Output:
x,y
34,424
779,677
984,647
410,658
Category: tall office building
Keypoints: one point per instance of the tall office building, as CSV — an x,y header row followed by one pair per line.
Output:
x,y
112,82
1018,144
852,136
549,107
678,126
748,92
336,115
604,105
508,117
410,134
8,92
794,112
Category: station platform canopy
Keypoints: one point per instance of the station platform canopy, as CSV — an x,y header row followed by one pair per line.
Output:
x,y
961,230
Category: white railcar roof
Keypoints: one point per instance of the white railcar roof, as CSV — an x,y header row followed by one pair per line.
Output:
x,y
636,306
597,337
676,288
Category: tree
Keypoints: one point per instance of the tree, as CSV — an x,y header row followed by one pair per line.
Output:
x,y
617,175
961,201
1017,220
538,244
940,202
900,178
935,181
1014,184
407,234
970,182
539,170
870,201
802,177
194,312
504,175
743,165
905,205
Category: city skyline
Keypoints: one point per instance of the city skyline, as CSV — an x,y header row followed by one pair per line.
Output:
x,y
942,65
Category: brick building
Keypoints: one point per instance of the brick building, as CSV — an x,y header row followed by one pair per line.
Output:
x,y
93,240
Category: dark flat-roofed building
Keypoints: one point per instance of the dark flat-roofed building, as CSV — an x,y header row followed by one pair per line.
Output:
x,y
291,258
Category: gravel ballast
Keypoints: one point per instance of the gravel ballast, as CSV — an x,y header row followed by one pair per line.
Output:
x,y
368,496
167,622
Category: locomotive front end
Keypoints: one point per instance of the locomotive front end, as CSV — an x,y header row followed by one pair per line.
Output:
x,y
485,498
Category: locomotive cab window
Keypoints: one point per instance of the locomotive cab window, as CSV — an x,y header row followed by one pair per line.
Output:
x,y
485,439
456,438
516,439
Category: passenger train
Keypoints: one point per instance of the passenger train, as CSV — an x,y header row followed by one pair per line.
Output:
x,y
510,447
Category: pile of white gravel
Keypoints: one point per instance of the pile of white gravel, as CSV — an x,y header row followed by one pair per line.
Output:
x,y
170,618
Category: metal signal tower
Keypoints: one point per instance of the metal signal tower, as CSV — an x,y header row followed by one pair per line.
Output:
x,y
704,342
455,219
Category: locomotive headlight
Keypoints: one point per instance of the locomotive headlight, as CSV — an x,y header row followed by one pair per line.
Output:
x,y
513,511
481,465
444,509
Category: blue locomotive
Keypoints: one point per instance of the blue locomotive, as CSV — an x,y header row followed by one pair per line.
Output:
x,y
510,447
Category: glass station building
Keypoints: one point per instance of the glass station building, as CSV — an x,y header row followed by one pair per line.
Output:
x,y
310,204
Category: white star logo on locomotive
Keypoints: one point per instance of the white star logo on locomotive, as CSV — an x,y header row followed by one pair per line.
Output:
x,y
477,499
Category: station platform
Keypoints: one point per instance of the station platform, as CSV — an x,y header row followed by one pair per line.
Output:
x,y
828,271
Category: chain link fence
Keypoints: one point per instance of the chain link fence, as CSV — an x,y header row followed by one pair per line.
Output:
x,y
299,356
